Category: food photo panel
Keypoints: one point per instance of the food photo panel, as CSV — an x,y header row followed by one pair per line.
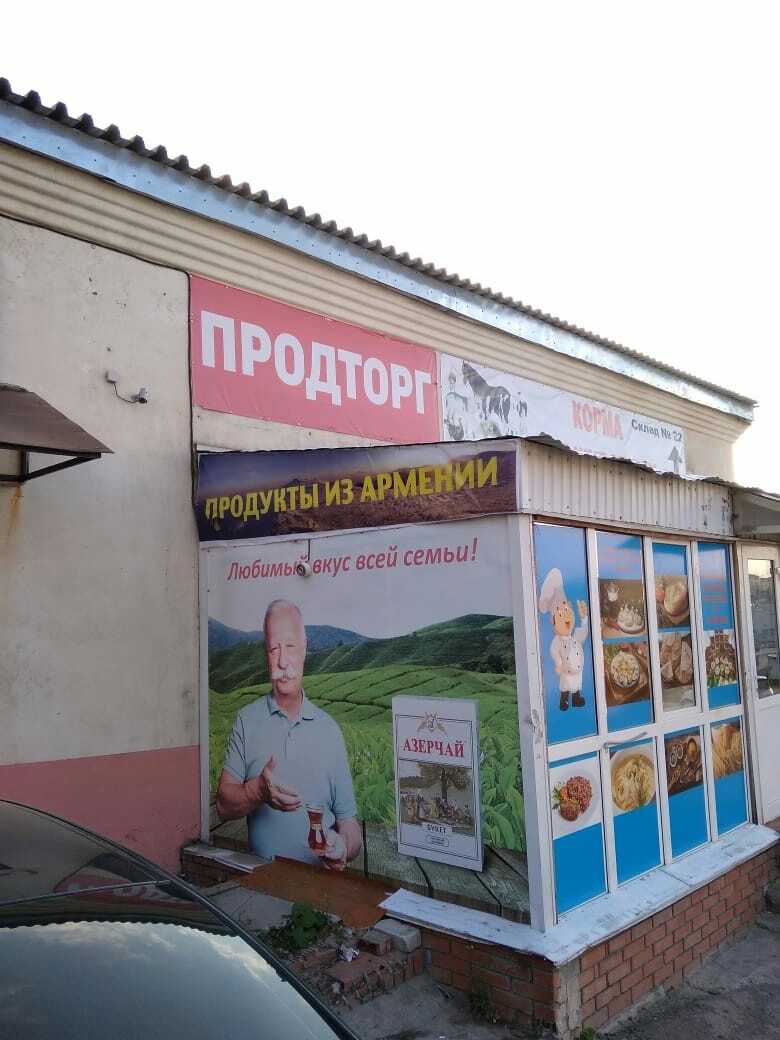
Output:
x,y
720,662
675,652
635,820
622,604
685,789
565,632
673,615
672,605
728,762
622,607
720,653
577,831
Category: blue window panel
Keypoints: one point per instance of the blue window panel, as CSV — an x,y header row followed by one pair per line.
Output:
x,y
579,867
688,820
637,843
720,696
730,803
623,716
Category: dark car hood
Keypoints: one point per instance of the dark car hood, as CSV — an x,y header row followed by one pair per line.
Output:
x,y
139,961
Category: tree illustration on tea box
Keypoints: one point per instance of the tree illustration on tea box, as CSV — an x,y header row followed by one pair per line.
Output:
x,y
565,648
445,776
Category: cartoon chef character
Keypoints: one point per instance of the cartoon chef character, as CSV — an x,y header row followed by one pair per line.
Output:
x,y
566,646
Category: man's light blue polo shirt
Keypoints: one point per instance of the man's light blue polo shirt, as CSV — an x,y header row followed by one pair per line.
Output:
x,y
311,758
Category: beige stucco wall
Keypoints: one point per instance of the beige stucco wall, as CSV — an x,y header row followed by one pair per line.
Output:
x,y
98,564
37,189
103,625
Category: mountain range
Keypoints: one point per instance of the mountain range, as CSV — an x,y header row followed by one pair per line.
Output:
x,y
318,637
474,642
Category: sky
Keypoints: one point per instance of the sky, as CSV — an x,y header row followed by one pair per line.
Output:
x,y
613,164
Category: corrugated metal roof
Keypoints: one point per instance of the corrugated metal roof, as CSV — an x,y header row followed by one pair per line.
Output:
x,y
557,482
84,123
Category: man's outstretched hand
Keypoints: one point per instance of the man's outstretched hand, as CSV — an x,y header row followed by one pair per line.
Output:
x,y
269,791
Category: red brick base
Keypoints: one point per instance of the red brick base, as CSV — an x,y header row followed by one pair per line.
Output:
x,y
205,872
528,991
520,988
659,952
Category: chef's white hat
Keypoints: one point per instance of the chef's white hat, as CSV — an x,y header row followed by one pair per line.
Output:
x,y
552,591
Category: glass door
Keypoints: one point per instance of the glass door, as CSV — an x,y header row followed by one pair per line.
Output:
x,y
760,584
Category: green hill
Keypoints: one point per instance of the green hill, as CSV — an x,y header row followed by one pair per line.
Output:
x,y
475,642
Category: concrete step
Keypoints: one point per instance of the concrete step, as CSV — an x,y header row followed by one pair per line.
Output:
x,y
768,921
773,897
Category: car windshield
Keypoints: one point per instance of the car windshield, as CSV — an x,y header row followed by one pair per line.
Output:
x,y
40,854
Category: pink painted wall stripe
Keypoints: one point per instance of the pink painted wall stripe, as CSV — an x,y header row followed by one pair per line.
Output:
x,y
148,800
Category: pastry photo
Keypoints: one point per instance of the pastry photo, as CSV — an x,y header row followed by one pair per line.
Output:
x,y
671,600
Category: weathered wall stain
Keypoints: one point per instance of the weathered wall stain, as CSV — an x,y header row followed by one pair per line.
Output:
x,y
7,531
12,521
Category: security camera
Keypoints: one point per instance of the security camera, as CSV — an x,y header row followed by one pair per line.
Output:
x,y
142,397
303,569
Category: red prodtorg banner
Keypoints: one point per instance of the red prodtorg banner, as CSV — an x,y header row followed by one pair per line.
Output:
x,y
266,360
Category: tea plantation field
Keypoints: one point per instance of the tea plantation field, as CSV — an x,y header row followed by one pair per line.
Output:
x,y
355,684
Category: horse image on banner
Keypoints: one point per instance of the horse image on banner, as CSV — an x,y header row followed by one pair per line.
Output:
x,y
474,408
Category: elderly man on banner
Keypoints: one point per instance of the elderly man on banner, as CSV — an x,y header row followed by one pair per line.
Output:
x,y
285,755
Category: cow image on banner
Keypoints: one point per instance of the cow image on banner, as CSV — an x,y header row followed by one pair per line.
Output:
x,y
477,409
479,402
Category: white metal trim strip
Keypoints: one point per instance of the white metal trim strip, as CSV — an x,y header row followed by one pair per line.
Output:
x,y
598,920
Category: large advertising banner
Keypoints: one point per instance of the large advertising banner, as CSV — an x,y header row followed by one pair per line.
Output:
x,y
720,647
266,360
253,494
478,402
304,664
564,630
624,630
437,779
635,815
577,831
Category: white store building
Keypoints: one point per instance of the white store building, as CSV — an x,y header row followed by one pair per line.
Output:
x,y
190,341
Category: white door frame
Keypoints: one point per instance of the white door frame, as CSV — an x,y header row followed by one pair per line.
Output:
x,y
757,707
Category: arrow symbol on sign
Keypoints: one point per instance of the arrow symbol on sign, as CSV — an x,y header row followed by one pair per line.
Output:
x,y
675,458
